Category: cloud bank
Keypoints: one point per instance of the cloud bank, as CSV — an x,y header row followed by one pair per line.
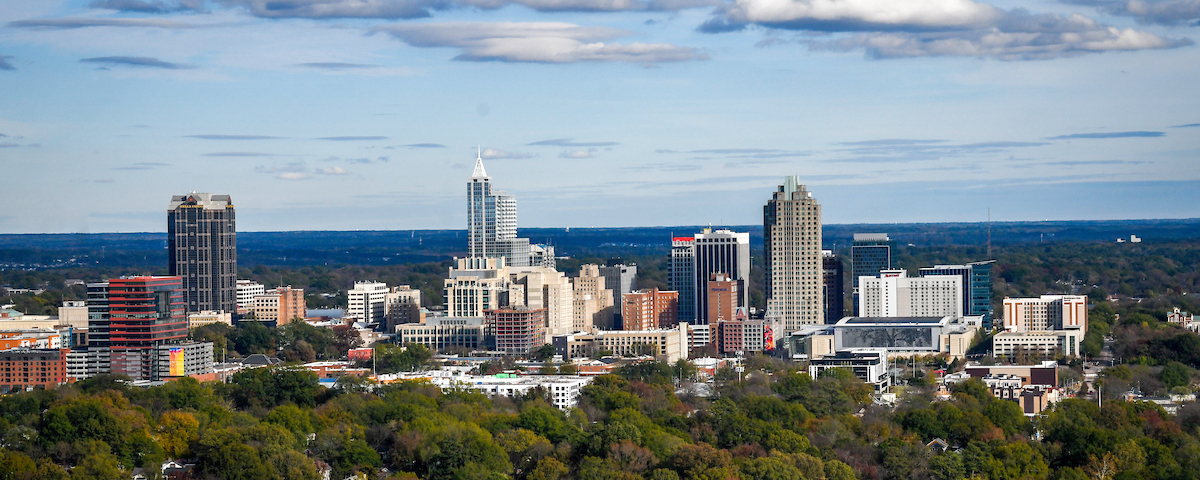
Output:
x,y
1109,135
570,142
146,62
1161,12
537,42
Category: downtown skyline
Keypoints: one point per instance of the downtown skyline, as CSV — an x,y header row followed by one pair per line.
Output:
x,y
343,115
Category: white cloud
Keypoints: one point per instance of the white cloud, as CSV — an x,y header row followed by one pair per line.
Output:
x,y
332,171
863,13
541,42
492,153
293,176
576,154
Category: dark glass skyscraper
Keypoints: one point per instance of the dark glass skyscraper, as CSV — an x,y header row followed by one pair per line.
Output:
x,y
202,250
870,254
835,286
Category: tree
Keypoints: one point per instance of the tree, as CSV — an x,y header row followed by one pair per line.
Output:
x,y
176,432
542,353
1175,374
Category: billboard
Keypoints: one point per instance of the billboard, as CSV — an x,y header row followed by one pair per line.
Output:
x,y
888,337
360,354
177,360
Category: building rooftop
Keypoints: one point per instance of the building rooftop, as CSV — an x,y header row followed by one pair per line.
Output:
x,y
863,321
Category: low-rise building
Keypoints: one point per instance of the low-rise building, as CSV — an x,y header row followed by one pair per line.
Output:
x,y
45,338
1183,319
869,365
183,359
28,368
664,344
279,305
208,317
901,336
439,333
744,335
563,391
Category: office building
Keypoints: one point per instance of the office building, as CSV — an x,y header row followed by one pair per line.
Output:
x,y
202,250
492,225
440,333
794,267
977,287
869,365
518,329
477,284
894,294
901,336
550,291
681,276
129,318
834,288
723,297
73,313
593,300
246,291
183,359
1047,325
721,251
621,279
366,301
666,344
23,369
741,336
649,309
199,319
401,305
278,306
870,254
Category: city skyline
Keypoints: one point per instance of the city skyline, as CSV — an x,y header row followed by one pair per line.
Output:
x,y
590,110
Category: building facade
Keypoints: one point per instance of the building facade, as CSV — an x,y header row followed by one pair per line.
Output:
x,y
870,253
977,287
128,318
202,250
894,294
478,284
246,291
724,295
868,365
492,225
794,267
721,251
439,333
666,344
199,319
402,305
366,302
183,359
834,287
25,369
1045,325
551,291
518,329
742,336
681,275
280,305
593,300
649,309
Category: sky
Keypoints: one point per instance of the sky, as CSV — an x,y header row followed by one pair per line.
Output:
x,y
369,114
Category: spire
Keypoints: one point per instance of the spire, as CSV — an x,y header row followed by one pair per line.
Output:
x,y
479,171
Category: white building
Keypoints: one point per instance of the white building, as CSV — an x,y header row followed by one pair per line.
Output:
x,y
366,302
208,317
563,390
1045,325
669,345
549,289
894,294
901,336
439,333
869,365
246,291
478,284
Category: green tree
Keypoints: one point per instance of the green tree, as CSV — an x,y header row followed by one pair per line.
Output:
x,y
1175,374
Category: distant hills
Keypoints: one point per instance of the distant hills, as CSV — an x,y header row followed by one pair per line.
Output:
x,y
408,246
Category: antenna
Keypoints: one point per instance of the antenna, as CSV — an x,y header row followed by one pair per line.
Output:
x,y
479,152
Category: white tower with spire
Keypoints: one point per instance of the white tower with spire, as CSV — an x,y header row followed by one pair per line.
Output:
x,y
492,221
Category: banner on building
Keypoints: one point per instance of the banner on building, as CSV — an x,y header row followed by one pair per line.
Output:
x,y
361,354
177,359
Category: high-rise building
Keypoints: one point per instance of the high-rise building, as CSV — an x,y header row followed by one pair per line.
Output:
x,y
620,278
492,225
1050,324
518,329
649,309
681,276
551,291
794,266
202,250
835,286
402,305
593,300
870,254
479,284
366,302
723,295
722,251
894,294
977,284
128,318
279,305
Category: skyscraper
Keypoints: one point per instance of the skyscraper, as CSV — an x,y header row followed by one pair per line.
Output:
x,y
128,318
794,269
870,254
492,225
835,286
722,251
681,275
202,250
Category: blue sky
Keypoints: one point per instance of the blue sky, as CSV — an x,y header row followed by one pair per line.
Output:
x,y
366,114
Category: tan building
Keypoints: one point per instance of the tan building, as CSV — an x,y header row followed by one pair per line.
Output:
x,y
402,305
668,345
794,268
1045,325
73,313
548,289
479,284
200,319
281,305
593,300
723,295
649,309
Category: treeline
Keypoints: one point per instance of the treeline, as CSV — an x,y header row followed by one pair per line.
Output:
x,y
770,422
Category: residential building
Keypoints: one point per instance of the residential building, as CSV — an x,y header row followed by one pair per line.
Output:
x,y
681,277
723,297
1183,319
649,309
794,266
977,287
894,294
666,344
129,317
518,329
1033,387
24,369
402,305
721,251
199,319
1046,325
39,338
365,302
870,253
246,291
869,365
202,250
439,333
279,305
593,300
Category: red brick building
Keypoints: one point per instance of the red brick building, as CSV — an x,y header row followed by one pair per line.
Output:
x,y
650,309
22,368
518,329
